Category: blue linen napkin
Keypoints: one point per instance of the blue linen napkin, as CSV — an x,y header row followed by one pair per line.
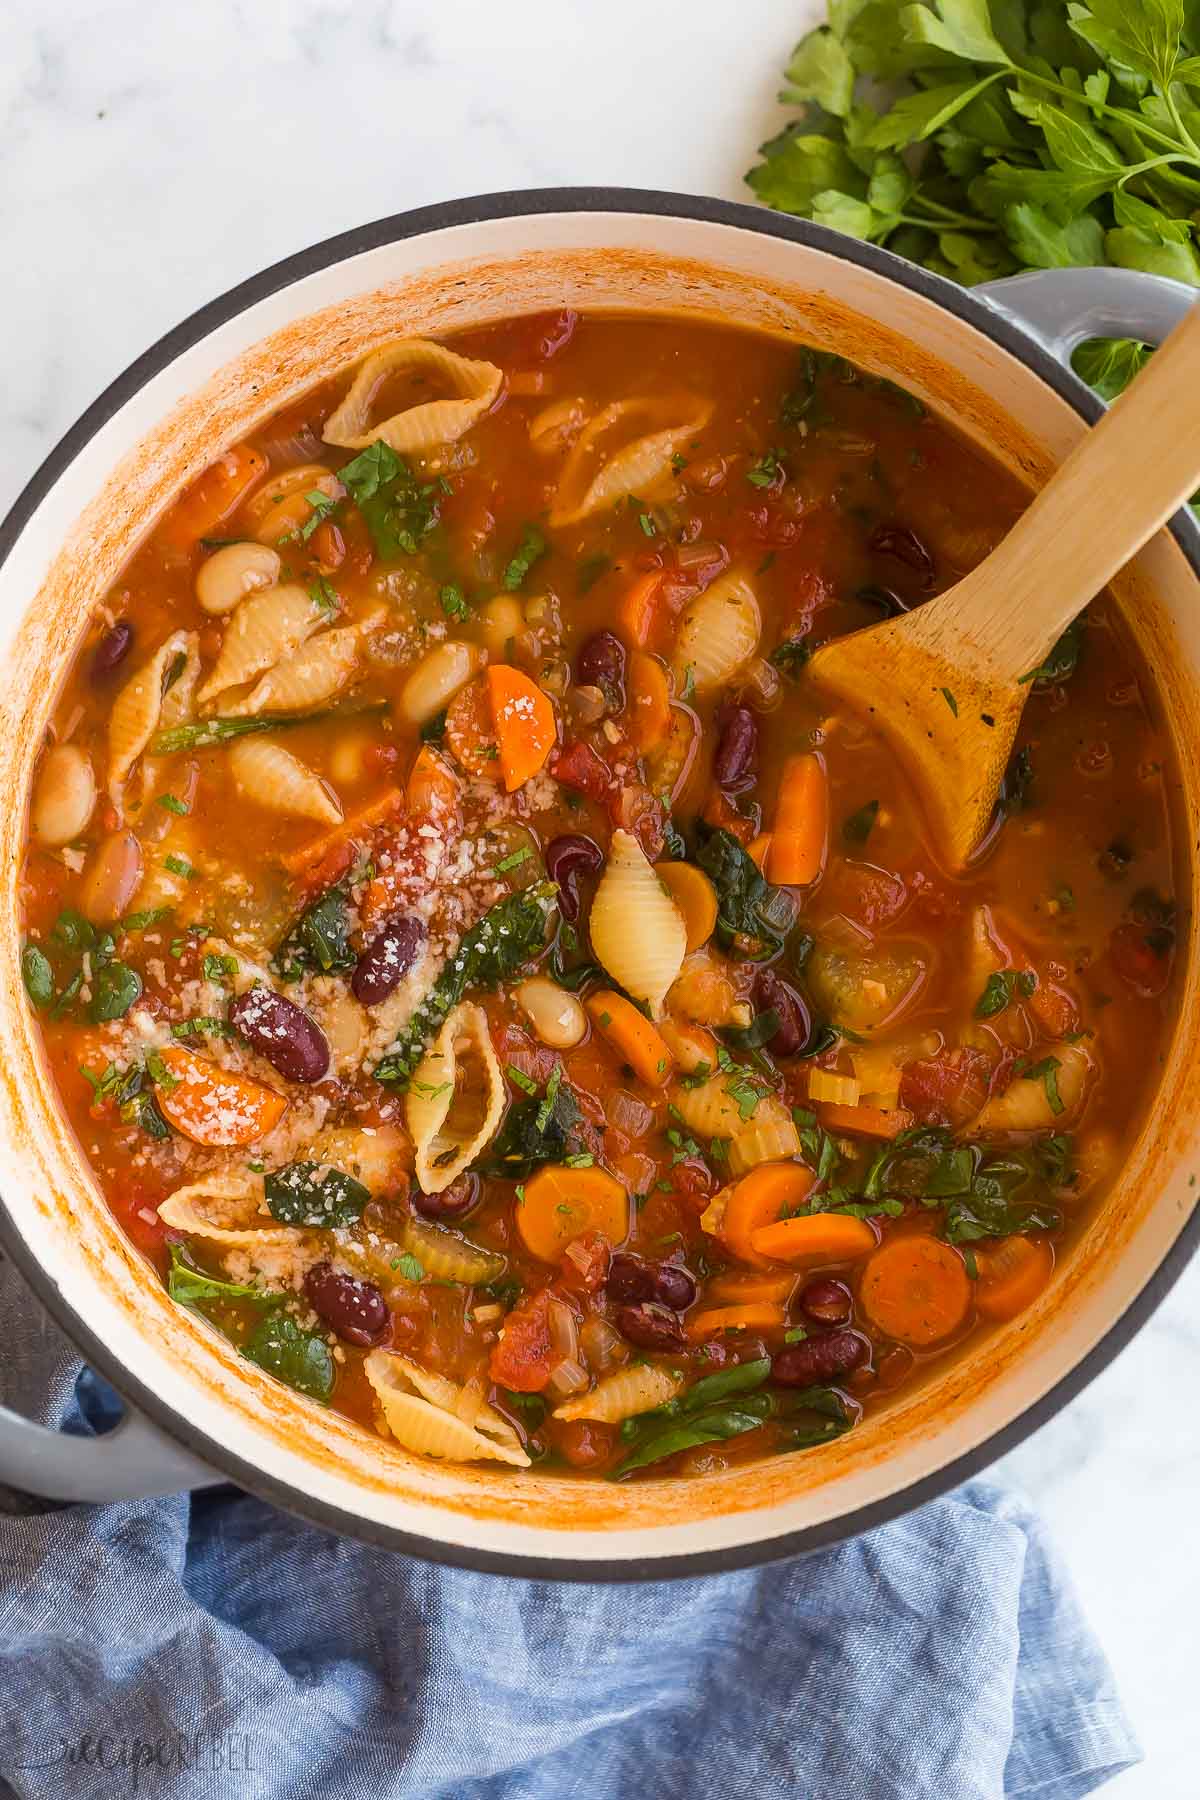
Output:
x,y
212,1647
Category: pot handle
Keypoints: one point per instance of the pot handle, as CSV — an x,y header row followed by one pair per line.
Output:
x,y
1063,307
133,1461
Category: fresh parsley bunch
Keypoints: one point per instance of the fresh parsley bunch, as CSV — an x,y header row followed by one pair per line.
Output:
x,y
981,139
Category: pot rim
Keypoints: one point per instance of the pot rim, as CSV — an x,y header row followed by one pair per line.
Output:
x,y
473,210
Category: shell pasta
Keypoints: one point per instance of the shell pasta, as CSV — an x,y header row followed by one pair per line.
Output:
x,y
491,988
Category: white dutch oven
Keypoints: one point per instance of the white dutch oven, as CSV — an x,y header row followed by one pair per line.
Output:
x,y
993,363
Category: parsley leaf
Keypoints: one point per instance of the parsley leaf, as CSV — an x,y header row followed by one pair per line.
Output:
x,y
531,547
400,510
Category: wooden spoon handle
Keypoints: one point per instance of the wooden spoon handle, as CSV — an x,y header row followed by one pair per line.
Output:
x,y
1120,483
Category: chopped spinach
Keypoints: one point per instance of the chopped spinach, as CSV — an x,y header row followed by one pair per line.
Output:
x,y
300,1358
309,1193
115,987
537,1130
37,975
699,1417
190,1285
752,916
318,940
504,939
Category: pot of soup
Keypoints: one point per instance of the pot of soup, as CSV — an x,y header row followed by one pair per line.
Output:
x,y
492,1062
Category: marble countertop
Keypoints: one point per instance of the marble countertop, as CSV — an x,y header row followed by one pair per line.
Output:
x,y
153,156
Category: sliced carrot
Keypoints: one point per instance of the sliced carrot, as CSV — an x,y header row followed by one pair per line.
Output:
x,y
358,826
639,608
1012,1273
214,1106
816,1238
523,720
760,1316
694,895
916,1290
797,850
649,701
560,1204
213,496
431,783
758,848
866,1121
632,1036
759,1199
470,734
741,1287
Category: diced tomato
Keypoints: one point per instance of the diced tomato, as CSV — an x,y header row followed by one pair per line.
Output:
x,y
947,1089
515,1047
523,1356
1138,961
870,896
585,1443
135,1201
932,898
693,1181
578,766
323,874
584,1264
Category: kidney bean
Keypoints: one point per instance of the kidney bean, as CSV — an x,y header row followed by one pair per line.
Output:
x,y
674,1285
773,994
601,663
567,859
112,649
278,1029
829,1301
820,1359
650,1326
454,1202
388,956
906,547
630,1278
355,1309
737,745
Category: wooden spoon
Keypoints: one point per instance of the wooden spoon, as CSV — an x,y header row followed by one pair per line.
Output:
x,y
944,683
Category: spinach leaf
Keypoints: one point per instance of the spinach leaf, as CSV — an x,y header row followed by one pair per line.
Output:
x,y
535,1131
115,987
742,1378
504,939
691,1430
300,1358
833,1417
319,939
753,917
309,1193
190,1285
400,510
37,975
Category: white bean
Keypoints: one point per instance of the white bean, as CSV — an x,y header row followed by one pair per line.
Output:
x,y
556,1016
64,795
503,620
112,878
234,571
437,678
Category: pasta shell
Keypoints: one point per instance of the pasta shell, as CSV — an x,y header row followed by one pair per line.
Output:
x,y
419,1409
473,386
771,1138
637,931
593,479
309,676
1025,1105
273,778
135,713
718,633
226,1209
266,627
624,1395
455,1099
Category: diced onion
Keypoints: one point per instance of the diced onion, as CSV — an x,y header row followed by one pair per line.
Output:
x,y
628,1114
566,1378
564,1332
602,1345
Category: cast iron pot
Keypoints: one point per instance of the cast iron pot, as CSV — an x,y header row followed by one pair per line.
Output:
x,y
993,360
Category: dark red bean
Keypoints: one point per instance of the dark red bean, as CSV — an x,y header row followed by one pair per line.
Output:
x,y
454,1202
650,1326
630,1278
906,547
828,1301
601,663
388,956
355,1309
278,1029
773,994
820,1359
674,1286
737,745
112,649
568,859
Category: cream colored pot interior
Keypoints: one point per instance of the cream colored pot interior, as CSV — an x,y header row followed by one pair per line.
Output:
x,y
72,548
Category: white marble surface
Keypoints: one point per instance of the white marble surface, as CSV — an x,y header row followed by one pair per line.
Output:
x,y
150,156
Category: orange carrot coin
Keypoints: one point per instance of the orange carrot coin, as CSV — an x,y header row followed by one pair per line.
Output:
x,y
916,1290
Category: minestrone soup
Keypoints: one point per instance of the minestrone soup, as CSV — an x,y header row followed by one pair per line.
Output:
x,y
493,987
